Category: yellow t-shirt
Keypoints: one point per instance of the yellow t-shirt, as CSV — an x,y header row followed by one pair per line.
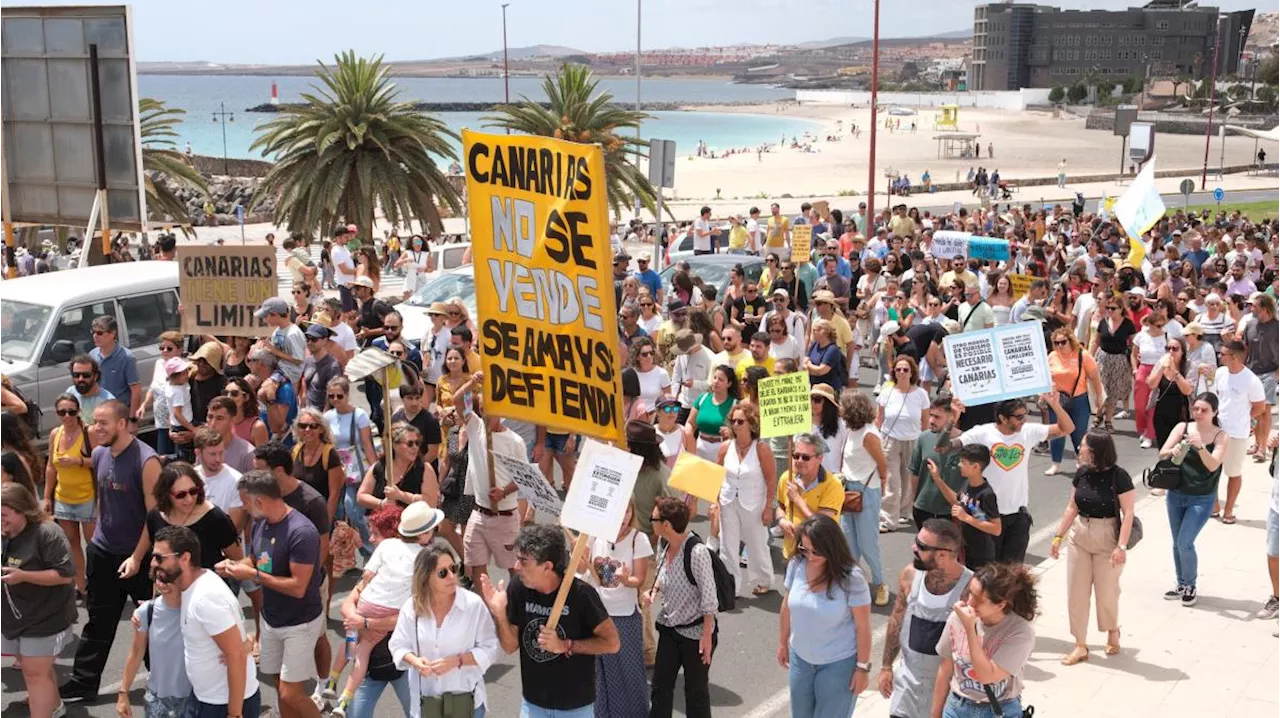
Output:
x,y
779,230
75,483
826,493
738,237
749,361
844,333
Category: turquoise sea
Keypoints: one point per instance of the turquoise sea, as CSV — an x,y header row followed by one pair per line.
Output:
x,y
203,95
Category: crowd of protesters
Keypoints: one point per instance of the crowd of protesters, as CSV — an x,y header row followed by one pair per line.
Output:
x,y
266,474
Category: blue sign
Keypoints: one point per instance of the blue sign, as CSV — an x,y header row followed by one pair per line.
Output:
x,y
1218,194
989,248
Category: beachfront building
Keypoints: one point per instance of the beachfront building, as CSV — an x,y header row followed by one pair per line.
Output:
x,y
1017,45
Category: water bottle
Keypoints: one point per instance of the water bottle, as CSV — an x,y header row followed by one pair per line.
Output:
x,y
1180,452
353,637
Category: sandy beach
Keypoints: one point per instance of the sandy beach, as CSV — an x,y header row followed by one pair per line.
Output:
x,y
1026,144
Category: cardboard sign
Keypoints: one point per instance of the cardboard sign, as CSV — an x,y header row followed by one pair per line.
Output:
x,y
221,288
533,487
947,244
784,405
995,364
544,282
601,489
1020,284
801,243
989,248
697,476
823,208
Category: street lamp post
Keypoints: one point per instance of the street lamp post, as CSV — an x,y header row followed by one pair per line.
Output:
x,y
223,117
506,71
871,153
1213,90
638,17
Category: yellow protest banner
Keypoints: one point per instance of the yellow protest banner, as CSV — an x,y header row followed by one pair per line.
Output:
x,y
543,275
697,477
221,288
1020,284
784,405
801,243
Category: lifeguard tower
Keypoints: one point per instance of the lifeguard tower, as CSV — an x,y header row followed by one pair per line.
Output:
x,y
948,119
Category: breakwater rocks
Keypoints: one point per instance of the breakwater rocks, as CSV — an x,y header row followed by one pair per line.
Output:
x,y
226,193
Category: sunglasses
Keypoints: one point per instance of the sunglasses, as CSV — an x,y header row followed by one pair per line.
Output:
x,y
801,457
670,409
1020,417
443,572
67,412
391,327
100,332
299,292
646,304
411,444
645,353
307,426
180,495
167,349
81,375
1060,342
902,370
233,393
923,547
738,422
335,397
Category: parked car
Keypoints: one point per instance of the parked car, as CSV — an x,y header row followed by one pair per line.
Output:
x,y
45,321
437,287
713,270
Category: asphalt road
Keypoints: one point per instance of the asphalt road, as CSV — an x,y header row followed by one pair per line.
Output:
x,y
746,681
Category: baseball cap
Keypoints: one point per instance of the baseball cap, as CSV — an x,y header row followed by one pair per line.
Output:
x,y
173,365
272,305
318,331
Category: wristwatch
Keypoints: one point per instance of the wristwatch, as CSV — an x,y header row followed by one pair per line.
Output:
x,y
864,666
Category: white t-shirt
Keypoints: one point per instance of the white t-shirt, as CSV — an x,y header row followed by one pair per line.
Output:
x,y
341,255
178,397
700,242
392,564
345,336
619,600
1085,305
902,413
221,487
1150,349
652,383
834,455
651,325
159,385
1010,457
754,238
671,443
1236,395
208,609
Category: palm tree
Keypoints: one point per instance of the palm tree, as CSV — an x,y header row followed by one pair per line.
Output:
x,y
353,147
163,165
579,114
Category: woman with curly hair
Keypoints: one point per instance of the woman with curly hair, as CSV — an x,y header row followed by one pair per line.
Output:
x,y
986,642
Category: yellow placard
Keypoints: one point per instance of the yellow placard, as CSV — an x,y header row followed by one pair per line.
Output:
x,y
221,288
801,243
784,405
697,477
1020,284
548,331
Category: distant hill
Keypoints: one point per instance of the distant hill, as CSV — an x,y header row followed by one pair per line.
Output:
x,y
524,53
832,42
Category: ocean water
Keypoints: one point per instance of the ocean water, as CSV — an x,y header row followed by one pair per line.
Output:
x,y
204,95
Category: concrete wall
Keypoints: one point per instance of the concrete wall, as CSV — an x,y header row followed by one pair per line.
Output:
x,y
1174,123
209,166
1012,100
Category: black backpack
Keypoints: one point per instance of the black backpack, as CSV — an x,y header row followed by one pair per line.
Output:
x,y
726,587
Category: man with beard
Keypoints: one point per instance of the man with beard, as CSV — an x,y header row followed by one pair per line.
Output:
x,y
85,387
126,471
218,662
935,570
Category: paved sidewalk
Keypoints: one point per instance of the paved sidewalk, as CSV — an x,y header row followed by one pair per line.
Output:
x,y
1213,659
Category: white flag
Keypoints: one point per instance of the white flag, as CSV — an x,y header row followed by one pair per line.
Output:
x,y
1138,210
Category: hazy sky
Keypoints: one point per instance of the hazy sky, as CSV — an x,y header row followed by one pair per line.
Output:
x,y
300,31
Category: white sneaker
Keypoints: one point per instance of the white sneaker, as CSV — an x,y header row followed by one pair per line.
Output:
x,y
1145,443
1122,414
60,711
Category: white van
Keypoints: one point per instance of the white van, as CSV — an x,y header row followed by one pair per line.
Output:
x,y
45,321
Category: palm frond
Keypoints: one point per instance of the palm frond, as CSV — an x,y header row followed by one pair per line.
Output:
x,y
351,148
579,113
164,167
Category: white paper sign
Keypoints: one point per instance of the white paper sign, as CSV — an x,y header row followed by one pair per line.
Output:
x,y
947,244
601,489
991,365
532,485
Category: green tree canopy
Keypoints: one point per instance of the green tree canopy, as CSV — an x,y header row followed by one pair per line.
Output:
x,y
163,165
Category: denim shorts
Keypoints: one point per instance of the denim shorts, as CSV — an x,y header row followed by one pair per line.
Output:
x,y
1273,533
81,513
557,442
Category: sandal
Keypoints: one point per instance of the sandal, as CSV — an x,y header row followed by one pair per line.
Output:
x,y
760,590
1078,655
1228,520
1113,648
1215,514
